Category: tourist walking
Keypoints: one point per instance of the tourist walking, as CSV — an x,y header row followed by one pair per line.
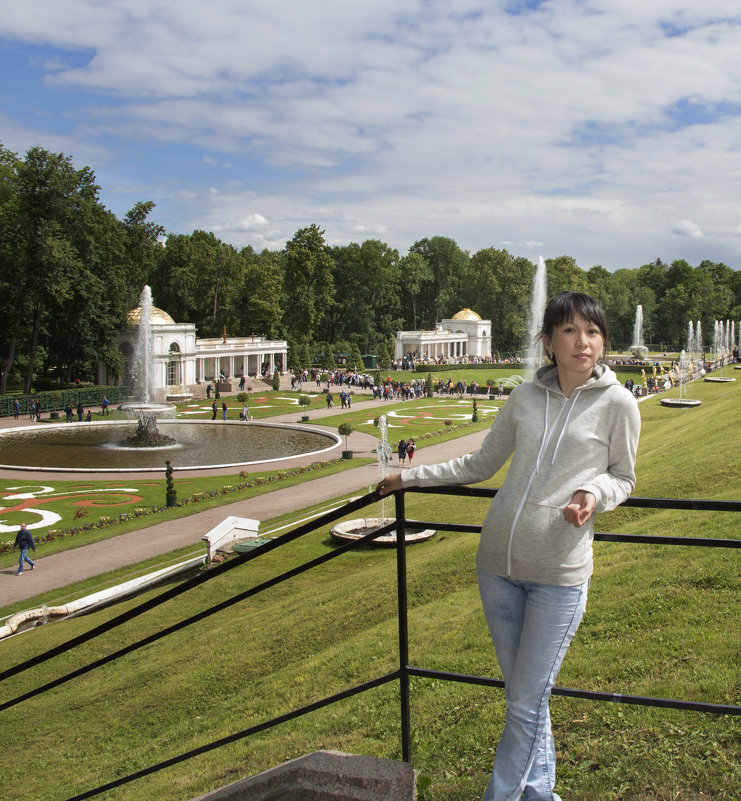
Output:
x,y
410,451
223,408
104,405
402,452
572,433
24,541
214,409
80,411
16,408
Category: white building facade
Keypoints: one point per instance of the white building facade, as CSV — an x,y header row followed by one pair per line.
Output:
x,y
463,336
183,361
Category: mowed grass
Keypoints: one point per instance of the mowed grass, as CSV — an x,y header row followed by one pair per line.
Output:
x,y
661,621
82,504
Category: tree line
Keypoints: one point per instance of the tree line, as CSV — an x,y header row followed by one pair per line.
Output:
x,y
70,270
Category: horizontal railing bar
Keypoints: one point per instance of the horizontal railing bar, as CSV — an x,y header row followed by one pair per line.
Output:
x,y
708,542
697,504
652,539
593,695
258,588
190,584
240,735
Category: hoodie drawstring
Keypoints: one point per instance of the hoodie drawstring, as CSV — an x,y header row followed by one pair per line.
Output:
x,y
565,423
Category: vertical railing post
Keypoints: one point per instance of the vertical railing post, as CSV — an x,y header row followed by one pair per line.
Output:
x,y
401,580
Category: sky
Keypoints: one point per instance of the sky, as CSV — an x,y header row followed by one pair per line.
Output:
x,y
606,130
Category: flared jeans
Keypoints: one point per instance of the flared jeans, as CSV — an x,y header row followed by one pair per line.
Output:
x,y
531,626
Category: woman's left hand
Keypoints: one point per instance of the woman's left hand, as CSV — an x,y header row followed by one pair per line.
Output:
x,y
580,509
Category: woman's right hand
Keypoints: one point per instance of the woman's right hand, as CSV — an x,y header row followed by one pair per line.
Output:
x,y
389,484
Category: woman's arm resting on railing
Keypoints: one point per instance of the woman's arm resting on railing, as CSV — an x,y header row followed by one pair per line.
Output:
x,y
389,484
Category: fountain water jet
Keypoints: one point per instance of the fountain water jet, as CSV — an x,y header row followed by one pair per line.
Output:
x,y
535,355
721,350
143,409
637,348
684,376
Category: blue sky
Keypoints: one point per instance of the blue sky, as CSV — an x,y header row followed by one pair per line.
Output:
x,y
608,131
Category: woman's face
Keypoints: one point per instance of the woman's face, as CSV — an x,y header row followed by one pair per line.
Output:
x,y
576,346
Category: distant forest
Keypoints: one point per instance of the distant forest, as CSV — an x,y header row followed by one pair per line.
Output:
x,y
70,270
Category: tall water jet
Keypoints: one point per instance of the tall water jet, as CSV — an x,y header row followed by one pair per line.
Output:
x,y
720,352
537,309
637,348
684,376
141,373
699,350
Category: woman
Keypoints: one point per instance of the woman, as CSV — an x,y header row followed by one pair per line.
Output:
x,y
572,434
411,447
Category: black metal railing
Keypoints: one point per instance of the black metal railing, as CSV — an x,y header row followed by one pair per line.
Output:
x,y
405,671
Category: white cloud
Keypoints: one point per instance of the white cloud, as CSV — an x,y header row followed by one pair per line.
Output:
x,y
687,228
566,129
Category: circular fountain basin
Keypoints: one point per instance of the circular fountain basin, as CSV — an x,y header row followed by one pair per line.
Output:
x,y
143,407
718,379
355,529
679,403
200,444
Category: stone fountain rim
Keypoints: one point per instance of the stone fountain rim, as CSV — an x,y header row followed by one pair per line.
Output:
x,y
241,423
686,403
385,539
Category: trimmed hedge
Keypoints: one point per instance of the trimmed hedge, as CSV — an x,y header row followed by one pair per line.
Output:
x,y
58,399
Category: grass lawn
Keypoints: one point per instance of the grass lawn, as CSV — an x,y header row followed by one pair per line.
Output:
x,y
97,510
661,621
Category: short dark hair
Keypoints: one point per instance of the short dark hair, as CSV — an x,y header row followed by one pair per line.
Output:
x,y
565,306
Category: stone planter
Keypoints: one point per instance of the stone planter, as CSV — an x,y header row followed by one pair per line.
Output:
x,y
304,418
347,454
54,415
172,500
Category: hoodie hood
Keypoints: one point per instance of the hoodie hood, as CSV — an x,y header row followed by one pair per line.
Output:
x,y
547,378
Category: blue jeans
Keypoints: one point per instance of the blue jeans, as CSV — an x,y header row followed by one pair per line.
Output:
x,y
531,626
24,558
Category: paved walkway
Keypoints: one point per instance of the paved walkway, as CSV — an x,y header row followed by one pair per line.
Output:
x,y
59,570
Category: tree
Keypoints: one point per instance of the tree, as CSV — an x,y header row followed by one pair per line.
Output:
x,y
448,263
14,300
356,357
260,309
143,244
308,285
415,275
366,306
499,288
564,274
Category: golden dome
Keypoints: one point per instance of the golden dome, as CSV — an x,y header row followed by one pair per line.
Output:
x,y
465,314
158,317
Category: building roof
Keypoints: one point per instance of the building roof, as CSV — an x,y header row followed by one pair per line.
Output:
x,y
465,314
158,317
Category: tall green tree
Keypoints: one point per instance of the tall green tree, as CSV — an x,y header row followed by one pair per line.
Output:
x,y
308,284
14,300
366,308
415,276
564,274
143,244
448,264
498,288
261,296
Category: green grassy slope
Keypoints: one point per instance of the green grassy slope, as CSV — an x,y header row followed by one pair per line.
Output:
x,y
660,621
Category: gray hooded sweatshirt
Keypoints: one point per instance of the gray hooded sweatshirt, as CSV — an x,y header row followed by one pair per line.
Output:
x,y
558,445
